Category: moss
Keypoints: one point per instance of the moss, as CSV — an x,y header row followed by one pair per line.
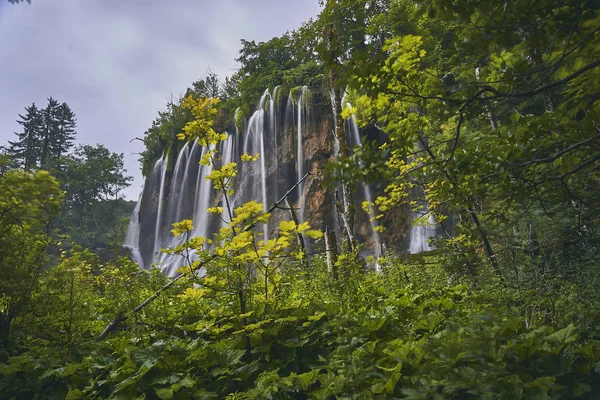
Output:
x,y
295,94
239,120
171,157
307,98
280,94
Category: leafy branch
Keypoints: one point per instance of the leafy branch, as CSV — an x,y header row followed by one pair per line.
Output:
x,y
122,317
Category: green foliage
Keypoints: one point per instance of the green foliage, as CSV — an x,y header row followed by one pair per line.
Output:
x,y
91,176
240,121
487,116
491,110
403,333
93,212
288,61
28,203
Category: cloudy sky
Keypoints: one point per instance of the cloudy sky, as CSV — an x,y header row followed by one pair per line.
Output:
x,y
116,62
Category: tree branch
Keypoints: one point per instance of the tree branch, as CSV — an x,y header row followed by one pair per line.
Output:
x,y
499,95
578,168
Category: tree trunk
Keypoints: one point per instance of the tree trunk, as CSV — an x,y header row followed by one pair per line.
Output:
x,y
343,149
331,251
301,242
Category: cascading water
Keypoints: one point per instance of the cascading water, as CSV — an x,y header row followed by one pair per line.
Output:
x,y
366,190
132,240
177,189
300,152
171,213
184,205
420,235
177,185
203,195
422,229
273,114
161,167
227,157
254,142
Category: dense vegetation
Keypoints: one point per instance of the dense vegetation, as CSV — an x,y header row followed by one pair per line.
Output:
x,y
491,109
90,177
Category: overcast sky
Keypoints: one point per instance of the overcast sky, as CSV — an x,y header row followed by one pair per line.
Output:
x,y
115,62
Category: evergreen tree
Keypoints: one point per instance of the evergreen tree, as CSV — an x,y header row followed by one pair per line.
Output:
x,y
25,151
47,136
64,136
49,133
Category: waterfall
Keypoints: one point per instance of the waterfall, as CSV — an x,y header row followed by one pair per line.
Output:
x,y
173,212
420,234
355,140
183,204
132,240
421,231
160,167
263,176
227,156
177,185
177,189
273,114
203,194
254,142
300,155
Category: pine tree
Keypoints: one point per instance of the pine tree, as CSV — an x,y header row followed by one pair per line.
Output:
x,y
65,133
49,133
26,151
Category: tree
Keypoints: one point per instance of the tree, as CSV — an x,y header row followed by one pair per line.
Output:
x,y
93,178
5,161
65,133
207,87
28,203
26,151
47,136
493,115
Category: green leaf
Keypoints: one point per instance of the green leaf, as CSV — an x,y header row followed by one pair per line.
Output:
x,y
187,382
74,394
164,393
70,369
539,387
374,324
563,336
304,380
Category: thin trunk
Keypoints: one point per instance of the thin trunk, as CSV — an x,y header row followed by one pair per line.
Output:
x,y
243,311
348,241
343,149
71,306
301,242
331,250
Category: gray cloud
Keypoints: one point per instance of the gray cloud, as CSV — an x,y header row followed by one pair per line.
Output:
x,y
115,62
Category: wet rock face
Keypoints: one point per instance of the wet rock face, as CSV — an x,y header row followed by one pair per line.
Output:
x,y
318,206
147,217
